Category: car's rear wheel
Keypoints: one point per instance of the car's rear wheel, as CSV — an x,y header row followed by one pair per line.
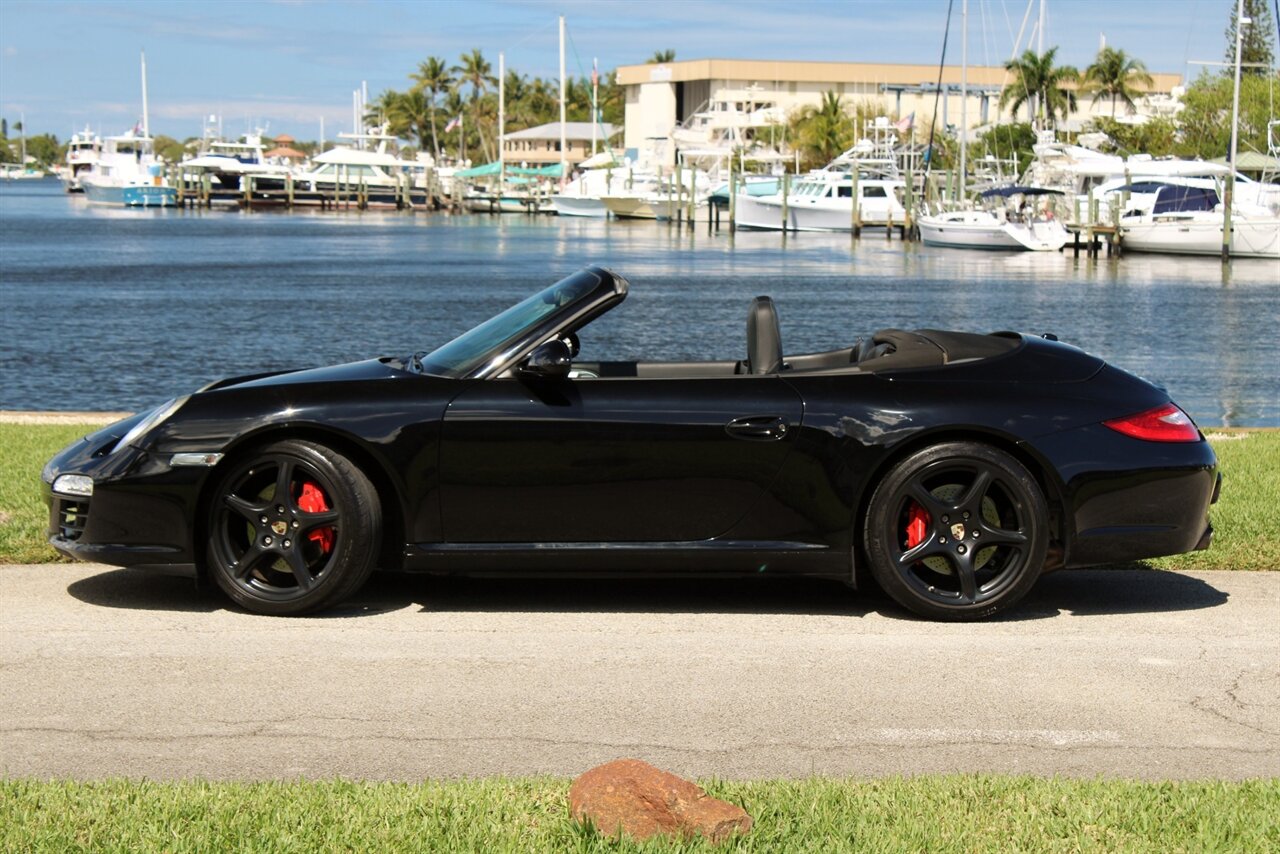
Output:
x,y
294,527
957,531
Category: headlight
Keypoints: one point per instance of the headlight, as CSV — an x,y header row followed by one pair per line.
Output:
x,y
153,419
73,484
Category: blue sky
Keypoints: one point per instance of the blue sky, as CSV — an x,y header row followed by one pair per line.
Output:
x,y
282,64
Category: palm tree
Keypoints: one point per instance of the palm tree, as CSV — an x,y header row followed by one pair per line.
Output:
x,y
379,112
411,113
433,79
661,56
476,72
1037,81
1111,73
824,131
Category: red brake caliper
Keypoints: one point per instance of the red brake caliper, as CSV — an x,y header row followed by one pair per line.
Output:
x,y
312,501
917,525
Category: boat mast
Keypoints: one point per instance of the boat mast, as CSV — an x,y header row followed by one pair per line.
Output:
x,y
563,131
502,118
146,124
964,93
1241,21
595,97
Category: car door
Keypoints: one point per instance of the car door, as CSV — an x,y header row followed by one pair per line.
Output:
x,y
611,459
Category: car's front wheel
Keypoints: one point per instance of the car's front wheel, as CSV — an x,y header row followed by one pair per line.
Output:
x,y
294,527
957,531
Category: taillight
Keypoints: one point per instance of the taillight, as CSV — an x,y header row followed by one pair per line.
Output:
x,y
1165,423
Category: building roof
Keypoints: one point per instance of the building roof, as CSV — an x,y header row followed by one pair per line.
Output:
x,y
1252,161
764,71
574,131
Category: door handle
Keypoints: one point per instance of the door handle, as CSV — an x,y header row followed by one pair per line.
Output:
x,y
759,428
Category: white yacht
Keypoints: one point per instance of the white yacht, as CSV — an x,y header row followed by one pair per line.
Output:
x,y
826,199
662,199
1185,219
584,195
229,163
83,150
347,171
1013,219
128,173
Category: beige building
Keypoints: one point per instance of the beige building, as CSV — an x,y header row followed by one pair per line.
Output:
x,y
540,146
659,97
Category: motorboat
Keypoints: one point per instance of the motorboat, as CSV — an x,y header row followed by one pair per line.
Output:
x,y
1190,220
128,173
228,164
1012,220
83,150
348,172
667,199
584,195
861,187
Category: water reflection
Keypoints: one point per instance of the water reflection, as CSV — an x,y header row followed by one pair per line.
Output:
x,y
113,308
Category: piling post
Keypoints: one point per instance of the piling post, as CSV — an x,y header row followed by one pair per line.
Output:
x,y
288,189
908,199
854,201
786,199
733,201
1093,221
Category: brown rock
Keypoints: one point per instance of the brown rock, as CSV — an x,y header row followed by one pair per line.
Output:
x,y
633,797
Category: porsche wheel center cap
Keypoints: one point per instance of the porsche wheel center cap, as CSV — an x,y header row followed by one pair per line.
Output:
x,y
280,527
957,531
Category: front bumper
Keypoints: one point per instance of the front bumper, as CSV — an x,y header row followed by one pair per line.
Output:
x,y
141,512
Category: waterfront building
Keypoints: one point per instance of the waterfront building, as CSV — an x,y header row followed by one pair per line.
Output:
x,y
540,146
659,97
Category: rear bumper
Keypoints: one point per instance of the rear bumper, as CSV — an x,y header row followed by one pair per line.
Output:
x,y
1125,499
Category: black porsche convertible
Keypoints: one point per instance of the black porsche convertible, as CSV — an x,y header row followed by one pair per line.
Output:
x,y
953,468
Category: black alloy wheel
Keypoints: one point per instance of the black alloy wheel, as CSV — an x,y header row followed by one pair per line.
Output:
x,y
957,531
294,527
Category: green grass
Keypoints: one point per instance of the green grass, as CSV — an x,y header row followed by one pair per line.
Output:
x,y
24,449
1246,536
935,814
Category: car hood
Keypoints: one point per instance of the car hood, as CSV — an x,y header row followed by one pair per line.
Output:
x,y
369,369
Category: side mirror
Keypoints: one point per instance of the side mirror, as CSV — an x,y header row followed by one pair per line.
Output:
x,y
549,361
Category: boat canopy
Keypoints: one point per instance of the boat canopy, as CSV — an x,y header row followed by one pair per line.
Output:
x,y
1006,192
490,169
1173,198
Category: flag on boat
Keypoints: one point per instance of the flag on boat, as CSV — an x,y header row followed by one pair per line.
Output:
x,y
906,123
595,72
454,122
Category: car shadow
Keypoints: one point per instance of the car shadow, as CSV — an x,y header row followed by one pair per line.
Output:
x,y
1132,588
1128,589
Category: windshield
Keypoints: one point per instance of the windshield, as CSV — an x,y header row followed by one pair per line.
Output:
x,y
469,350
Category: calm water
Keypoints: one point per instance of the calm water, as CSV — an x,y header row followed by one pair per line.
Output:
x,y
120,309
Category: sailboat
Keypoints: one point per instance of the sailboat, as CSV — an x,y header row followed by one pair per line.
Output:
x,y
1015,225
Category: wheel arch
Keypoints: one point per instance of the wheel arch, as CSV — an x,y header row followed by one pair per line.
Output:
x,y
1045,476
391,553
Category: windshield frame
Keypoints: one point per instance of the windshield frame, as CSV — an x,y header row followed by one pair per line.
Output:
x,y
499,343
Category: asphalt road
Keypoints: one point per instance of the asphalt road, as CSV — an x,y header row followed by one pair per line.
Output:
x,y
107,672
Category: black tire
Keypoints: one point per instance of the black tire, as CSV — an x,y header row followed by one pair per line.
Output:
x,y
957,531
294,528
